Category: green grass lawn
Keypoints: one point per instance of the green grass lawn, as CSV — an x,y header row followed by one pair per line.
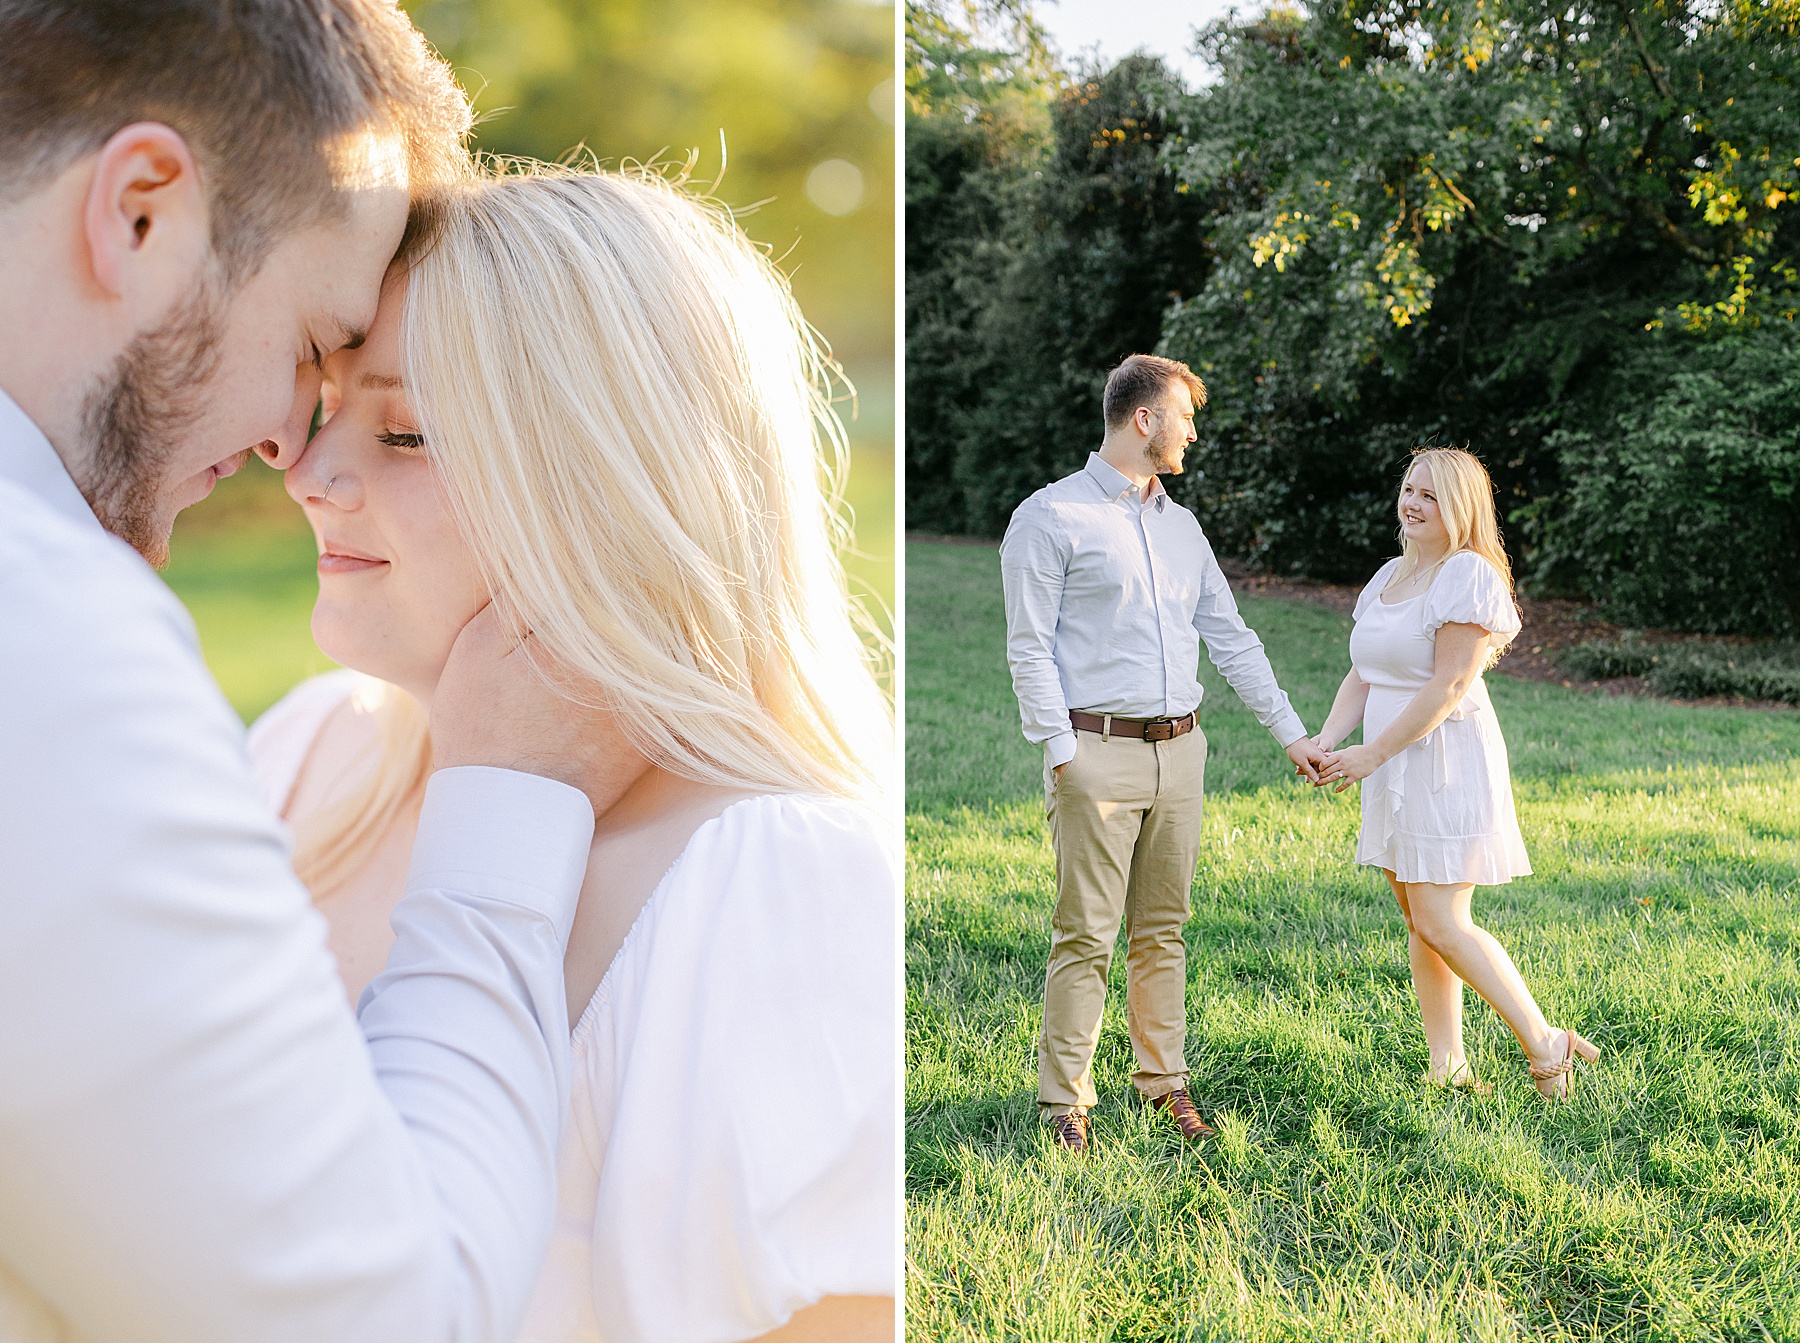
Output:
x,y
244,563
1343,1199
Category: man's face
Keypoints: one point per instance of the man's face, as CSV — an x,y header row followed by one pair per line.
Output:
x,y
1171,430
228,373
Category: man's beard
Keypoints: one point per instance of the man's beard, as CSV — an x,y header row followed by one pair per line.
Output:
x,y
1165,448
133,419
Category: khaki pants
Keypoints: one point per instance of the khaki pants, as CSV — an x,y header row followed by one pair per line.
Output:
x,y
1125,825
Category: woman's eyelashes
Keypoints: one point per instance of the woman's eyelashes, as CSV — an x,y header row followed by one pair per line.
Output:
x,y
410,443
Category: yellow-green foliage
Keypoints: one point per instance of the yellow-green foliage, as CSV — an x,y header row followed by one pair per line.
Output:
x,y
788,84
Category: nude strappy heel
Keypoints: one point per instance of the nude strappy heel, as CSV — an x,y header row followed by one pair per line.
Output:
x,y
1553,1079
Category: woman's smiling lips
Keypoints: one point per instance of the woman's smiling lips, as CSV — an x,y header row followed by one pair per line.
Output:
x,y
337,558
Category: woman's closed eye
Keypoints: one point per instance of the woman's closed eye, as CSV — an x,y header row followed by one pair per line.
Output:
x,y
408,443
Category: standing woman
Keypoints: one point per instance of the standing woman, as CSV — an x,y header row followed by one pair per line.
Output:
x,y
1437,800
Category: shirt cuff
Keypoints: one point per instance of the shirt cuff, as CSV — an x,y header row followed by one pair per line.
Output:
x,y
1060,749
507,836
1288,729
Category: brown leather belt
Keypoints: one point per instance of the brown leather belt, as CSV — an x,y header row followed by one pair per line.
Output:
x,y
1149,729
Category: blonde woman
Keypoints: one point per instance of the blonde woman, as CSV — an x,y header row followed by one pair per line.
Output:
x,y
591,402
1437,801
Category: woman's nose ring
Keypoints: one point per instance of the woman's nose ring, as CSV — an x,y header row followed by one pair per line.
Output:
x,y
328,484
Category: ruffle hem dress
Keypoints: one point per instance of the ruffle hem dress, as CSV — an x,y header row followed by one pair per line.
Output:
x,y
1440,811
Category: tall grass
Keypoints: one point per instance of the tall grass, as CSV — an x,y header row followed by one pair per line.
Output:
x,y
1342,1198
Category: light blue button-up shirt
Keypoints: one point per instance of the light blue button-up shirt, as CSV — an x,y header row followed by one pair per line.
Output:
x,y
1109,596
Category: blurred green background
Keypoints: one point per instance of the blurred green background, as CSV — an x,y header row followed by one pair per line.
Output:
x,y
787,107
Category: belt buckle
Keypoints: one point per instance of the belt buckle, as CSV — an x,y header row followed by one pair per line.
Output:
x,y
1160,729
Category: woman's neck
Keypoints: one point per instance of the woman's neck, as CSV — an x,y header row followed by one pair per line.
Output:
x,y
1428,553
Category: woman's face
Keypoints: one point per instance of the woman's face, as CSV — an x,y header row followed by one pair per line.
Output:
x,y
396,581
1419,517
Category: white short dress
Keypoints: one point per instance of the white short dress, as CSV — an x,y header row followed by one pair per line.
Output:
x,y
1440,811
730,1155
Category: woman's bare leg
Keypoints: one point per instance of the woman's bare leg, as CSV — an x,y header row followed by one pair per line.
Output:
x,y
1440,915
1440,995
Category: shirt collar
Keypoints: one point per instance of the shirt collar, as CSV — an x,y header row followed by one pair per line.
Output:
x,y
27,459
1116,485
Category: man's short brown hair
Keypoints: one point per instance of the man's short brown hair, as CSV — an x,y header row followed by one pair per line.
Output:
x,y
265,92
1143,380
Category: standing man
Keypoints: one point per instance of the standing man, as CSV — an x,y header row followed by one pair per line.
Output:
x,y
1111,588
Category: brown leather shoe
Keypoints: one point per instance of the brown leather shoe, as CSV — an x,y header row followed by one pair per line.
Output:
x,y
1071,1132
1186,1117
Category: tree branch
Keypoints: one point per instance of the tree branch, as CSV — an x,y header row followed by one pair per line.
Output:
x,y
1657,78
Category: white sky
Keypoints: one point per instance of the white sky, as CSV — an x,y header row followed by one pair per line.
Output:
x,y
1161,27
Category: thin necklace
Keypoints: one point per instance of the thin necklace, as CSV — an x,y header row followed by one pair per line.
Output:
x,y
1414,578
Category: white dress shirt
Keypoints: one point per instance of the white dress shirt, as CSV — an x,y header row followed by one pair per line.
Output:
x,y
1109,596
197,1143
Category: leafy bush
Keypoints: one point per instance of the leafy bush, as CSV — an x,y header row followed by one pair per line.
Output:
x,y
1682,506
1693,670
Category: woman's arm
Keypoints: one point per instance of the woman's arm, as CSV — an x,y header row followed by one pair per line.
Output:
x,y
1461,650
1346,711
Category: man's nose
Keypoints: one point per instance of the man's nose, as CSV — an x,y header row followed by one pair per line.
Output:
x,y
286,448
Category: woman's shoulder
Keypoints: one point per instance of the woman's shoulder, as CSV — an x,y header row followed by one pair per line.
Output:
x,y
280,739
1471,566
1373,588
1469,577
1470,589
840,843
813,867
765,974
792,815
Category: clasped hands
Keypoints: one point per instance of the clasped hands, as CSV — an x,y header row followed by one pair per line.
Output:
x,y
1321,766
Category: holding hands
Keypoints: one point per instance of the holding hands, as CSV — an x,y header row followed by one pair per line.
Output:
x,y
1350,765
1308,757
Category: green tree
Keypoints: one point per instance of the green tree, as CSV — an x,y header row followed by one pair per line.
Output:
x,y
1462,223
1045,236
978,85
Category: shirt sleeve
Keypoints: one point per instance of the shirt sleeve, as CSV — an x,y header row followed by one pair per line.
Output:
x,y
1033,564
750,1163
196,1140
1238,654
1470,591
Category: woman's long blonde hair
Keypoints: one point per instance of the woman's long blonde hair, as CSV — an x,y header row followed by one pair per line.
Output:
x,y
1465,500
631,422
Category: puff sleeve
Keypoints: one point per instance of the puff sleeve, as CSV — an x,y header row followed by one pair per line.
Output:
x,y
1371,593
1470,591
746,1046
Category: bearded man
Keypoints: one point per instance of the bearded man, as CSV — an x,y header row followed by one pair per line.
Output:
x,y
1111,588
198,1139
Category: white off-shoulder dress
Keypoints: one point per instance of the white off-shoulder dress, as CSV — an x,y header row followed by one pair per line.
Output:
x,y
730,1156
1440,811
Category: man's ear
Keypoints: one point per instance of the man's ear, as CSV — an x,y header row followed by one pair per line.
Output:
x,y
145,219
1141,418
